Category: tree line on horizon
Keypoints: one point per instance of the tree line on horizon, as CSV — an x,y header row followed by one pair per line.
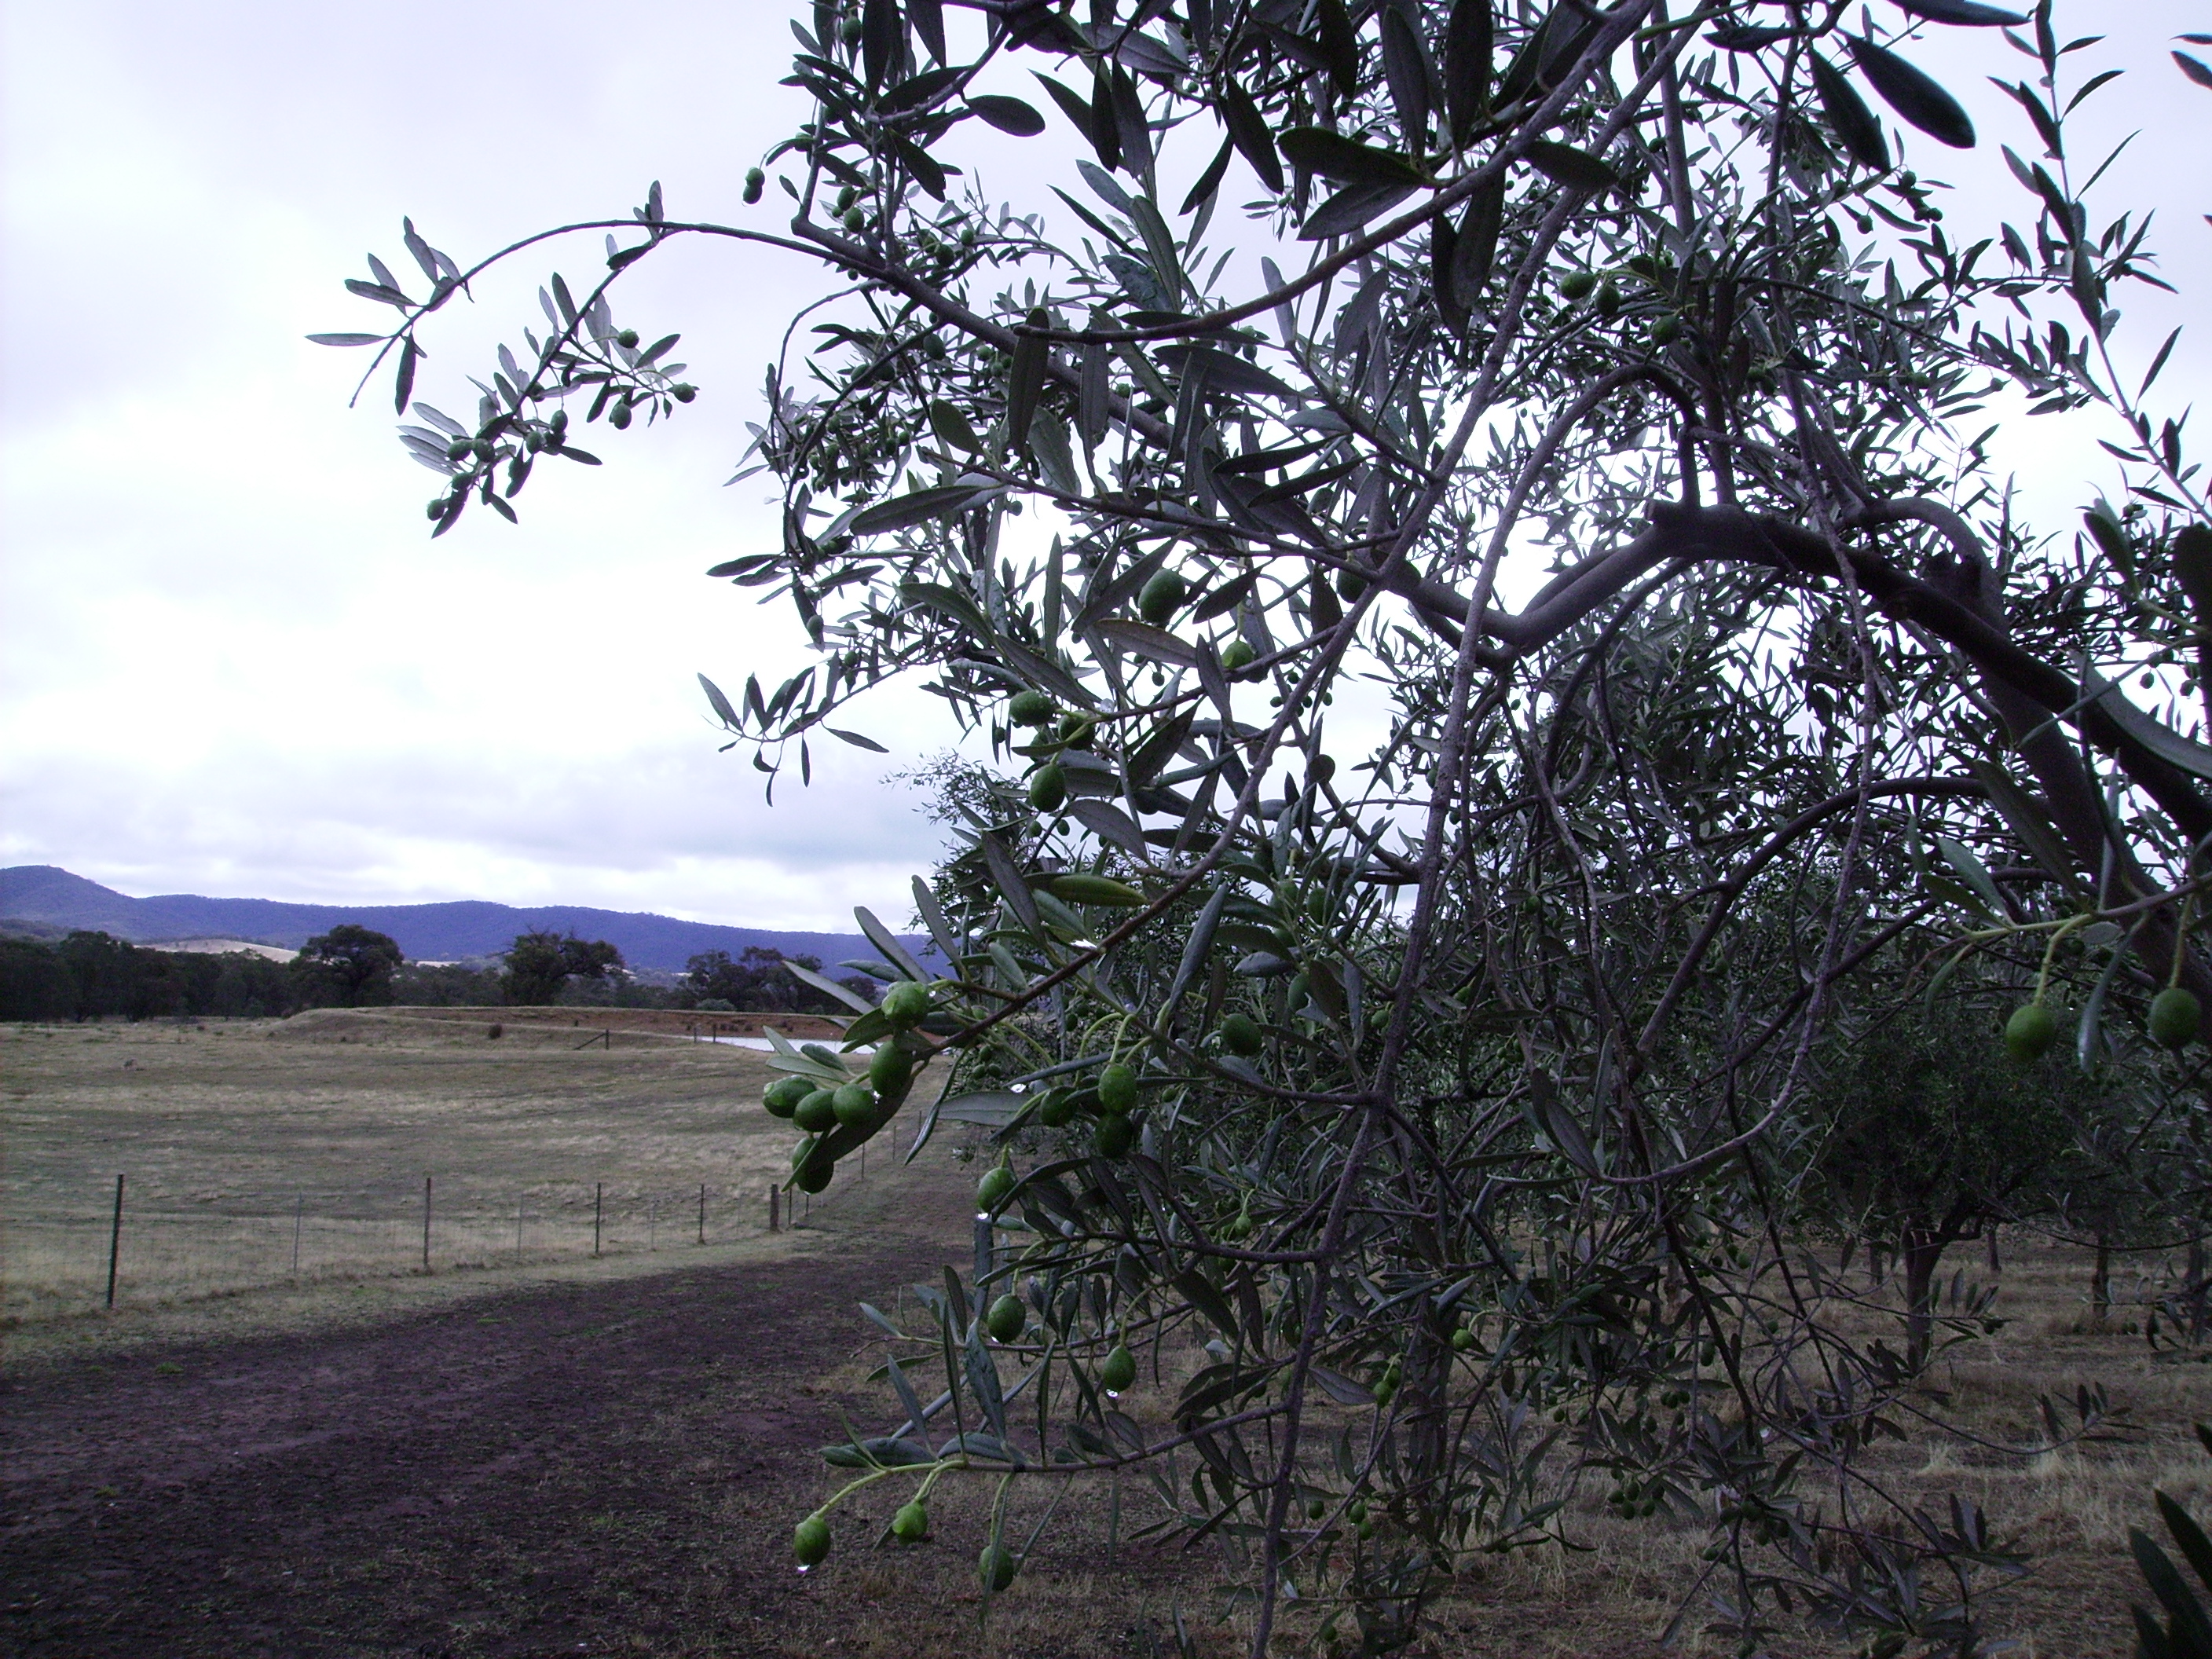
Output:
x,y
92,975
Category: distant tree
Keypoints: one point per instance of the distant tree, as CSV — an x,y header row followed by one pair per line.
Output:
x,y
349,967
2141,1184
92,975
241,985
116,979
1930,1137
35,984
540,965
761,981
447,985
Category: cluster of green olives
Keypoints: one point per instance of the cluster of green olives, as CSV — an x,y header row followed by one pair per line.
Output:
x,y
1635,1499
838,1118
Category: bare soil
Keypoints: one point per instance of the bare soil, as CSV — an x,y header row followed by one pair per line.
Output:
x,y
607,1468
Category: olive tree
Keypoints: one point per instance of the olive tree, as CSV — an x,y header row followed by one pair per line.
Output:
x,y
1921,1139
1469,521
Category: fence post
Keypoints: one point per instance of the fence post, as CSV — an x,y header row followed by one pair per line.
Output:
x,y
426,1224
703,1212
772,1197
299,1213
652,1222
519,1201
115,1241
598,1199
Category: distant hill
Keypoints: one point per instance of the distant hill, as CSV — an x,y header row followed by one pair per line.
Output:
x,y
46,900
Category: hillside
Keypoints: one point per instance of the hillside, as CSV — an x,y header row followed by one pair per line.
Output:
x,y
44,899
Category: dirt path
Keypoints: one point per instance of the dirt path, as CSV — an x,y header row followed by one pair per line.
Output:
x,y
594,1467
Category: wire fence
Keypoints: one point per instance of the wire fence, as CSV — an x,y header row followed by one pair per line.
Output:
x,y
117,1249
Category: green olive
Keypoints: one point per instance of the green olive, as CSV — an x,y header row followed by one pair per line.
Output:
x,y
1005,1319
906,1004
855,1106
1117,1088
890,1069
2175,1017
1162,598
991,1191
784,1095
995,1568
2030,1031
1117,1372
1114,1136
810,1541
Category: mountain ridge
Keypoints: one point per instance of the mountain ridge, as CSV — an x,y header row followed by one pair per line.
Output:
x,y
49,896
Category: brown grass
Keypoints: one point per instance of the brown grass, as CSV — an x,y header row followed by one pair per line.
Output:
x,y
1617,1588
236,1135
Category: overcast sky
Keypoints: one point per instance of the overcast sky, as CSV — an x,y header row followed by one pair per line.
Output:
x,y
235,664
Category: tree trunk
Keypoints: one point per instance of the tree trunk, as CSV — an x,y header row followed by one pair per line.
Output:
x,y
2100,1285
1920,1253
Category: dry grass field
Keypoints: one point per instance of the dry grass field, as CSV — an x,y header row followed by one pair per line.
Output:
x,y
1613,1592
259,1154
526,1453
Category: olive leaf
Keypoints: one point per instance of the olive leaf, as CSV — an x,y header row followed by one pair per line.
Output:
x,y
1008,114
1248,131
1025,381
1853,124
2192,568
918,507
1913,94
1350,209
1969,13
1347,161
1407,71
1468,47
1340,45
1576,169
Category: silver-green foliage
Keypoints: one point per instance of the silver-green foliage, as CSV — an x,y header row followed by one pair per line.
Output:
x,y
1530,912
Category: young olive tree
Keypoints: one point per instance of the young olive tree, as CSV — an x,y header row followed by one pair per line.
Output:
x,y
1400,966
1922,1141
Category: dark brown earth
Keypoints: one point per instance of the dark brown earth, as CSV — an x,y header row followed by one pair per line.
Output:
x,y
459,1483
601,1468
